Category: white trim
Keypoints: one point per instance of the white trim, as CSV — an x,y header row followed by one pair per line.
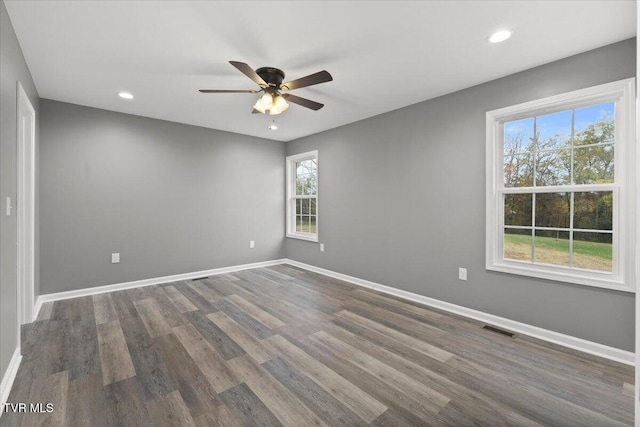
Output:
x,y
148,282
290,207
25,121
637,223
611,353
622,277
9,377
553,272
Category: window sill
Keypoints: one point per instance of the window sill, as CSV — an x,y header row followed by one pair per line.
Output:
x,y
595,279
303,236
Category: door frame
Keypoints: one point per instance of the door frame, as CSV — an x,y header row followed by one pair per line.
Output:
x,y
25,130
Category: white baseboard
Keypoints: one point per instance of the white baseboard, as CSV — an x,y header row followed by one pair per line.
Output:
x,y
611,353
148,282
8,378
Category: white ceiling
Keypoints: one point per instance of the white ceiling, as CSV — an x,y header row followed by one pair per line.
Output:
x,y
382,55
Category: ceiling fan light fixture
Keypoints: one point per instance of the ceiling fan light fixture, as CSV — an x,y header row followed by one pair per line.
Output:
x,y
258,106
279,105
274,111
266,101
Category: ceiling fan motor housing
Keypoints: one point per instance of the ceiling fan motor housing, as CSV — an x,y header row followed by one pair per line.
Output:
x,y
272,76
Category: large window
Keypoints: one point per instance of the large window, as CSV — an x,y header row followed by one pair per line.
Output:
x,y
560,187
302,196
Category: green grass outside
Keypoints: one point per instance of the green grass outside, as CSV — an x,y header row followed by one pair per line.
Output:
x,y
592,249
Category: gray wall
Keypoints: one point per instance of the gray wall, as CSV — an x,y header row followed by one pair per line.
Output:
x,y
402,203
12,69
170,198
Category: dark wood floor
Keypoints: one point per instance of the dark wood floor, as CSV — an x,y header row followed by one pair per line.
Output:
x,y
283,346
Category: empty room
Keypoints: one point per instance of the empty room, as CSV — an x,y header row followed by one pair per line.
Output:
x,y
337,213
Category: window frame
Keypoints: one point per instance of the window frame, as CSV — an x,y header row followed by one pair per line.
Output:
x,y
291,197
624,187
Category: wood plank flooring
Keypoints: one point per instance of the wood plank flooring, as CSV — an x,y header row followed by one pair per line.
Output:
x,y
281,346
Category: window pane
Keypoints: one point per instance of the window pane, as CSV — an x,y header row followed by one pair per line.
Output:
x,y
517,244
552,210
304,224
593,165
298,206
594,124
300,184
553,167
312,206
518,136
517,209
306,177
593,251
304,207
306,167
518,170
552,247
310,165
306,185
593,210
312,185
553,130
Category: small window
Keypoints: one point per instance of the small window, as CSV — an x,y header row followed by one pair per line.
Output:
x,y
560,179
302,196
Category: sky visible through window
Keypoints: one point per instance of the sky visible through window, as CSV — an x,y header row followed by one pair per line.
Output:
x,y
559,124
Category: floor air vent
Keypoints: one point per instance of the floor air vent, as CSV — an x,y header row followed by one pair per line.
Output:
x,y
499,331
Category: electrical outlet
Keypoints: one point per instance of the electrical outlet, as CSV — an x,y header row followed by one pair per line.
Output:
x,y
462,273
252,244
321,247
115,258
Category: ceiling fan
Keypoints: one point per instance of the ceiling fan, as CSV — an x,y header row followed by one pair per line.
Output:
x,y
274,101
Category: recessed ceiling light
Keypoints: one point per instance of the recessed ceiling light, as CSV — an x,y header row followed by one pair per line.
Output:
x,y
125,95
500,36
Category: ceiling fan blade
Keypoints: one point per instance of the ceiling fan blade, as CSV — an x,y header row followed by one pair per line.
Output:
x,y
310,80
227,91
254,111
249,72
315,106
